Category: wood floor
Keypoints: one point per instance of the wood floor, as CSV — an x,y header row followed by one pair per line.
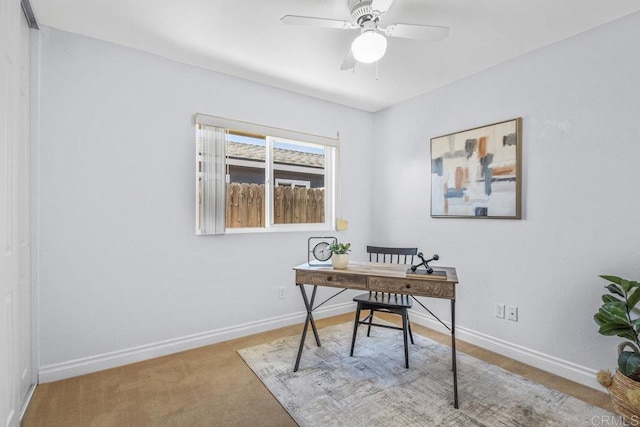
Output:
x,y
212,386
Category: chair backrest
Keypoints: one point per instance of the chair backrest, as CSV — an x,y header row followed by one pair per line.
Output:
x,y
391,255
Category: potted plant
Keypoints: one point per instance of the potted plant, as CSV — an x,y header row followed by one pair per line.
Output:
x,y
618,316
340,254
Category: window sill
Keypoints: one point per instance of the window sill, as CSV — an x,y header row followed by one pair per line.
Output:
x,y
281,228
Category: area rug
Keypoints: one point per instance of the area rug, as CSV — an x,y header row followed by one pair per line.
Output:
x,y
373,388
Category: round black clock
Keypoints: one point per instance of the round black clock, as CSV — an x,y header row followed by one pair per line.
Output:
x,y
318,250
322,252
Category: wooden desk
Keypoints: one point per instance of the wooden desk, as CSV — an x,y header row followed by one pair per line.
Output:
x,y
382,278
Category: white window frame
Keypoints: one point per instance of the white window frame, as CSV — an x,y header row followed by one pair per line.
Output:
x,y
292,183
331,148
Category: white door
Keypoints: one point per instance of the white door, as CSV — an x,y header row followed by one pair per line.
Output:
x,y
15,295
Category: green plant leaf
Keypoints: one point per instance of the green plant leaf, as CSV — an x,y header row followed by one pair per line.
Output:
x,y
617,329
633,298
339,248
631,336
613,317
615,311
615,289
629,362
626,285
610,298
610,327
615,279
623,284
604,318
600,319
616,305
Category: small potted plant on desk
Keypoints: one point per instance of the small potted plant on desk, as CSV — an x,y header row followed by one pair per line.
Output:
x,y
340,254
615,318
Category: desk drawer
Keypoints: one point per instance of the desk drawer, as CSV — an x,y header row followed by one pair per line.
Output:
x,y
336,280
413,287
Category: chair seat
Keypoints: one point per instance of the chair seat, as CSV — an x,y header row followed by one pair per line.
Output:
x,y
384,300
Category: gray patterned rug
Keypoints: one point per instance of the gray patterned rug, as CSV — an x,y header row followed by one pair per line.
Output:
x,y
374,389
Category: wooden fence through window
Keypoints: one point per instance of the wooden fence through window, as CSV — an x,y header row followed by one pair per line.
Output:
x,y
292,205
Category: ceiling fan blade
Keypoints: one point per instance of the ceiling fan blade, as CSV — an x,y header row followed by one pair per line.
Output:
x,y
317,22
381,5
349,62
414,31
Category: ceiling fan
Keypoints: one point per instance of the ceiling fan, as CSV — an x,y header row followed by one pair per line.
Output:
x,y
371,44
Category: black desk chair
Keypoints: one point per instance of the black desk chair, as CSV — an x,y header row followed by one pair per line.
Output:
x,y
386,302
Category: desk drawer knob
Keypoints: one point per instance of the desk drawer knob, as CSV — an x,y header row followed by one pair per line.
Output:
x,y
408,286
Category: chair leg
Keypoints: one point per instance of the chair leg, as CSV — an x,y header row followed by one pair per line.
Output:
x,y
409,325
405,320
370,320
355,329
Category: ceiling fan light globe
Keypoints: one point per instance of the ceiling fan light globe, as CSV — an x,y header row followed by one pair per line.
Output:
x,y
369,47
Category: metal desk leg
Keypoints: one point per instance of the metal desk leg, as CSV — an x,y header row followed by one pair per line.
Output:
x,y
453,353
309,306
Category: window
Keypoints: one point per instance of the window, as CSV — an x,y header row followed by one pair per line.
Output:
x,y
253,178
292,183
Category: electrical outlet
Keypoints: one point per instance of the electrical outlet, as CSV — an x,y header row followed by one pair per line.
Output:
x,y
512,313
500,311
281,292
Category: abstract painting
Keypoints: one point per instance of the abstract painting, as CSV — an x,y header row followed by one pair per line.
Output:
x,y
476,173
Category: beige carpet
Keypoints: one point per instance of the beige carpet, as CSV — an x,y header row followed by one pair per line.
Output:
x,y
374,389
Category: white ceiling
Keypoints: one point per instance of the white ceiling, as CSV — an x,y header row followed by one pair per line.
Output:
x,y
245,38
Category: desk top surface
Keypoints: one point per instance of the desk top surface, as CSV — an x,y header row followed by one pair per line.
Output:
x,y
381,269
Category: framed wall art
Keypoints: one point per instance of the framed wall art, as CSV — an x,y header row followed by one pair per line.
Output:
x,y
477,173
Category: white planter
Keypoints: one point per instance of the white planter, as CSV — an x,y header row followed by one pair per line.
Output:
x,y
340,261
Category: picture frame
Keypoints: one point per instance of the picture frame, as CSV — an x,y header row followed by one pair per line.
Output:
x,y
477,173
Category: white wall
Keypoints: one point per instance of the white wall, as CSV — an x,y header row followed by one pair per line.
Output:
x,y
120,266
579,100
121,274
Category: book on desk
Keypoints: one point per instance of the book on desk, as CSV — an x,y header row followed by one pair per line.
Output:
x,y
436,275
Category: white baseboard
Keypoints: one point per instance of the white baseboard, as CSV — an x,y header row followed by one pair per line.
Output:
x,y
26,401
60,371
572,371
